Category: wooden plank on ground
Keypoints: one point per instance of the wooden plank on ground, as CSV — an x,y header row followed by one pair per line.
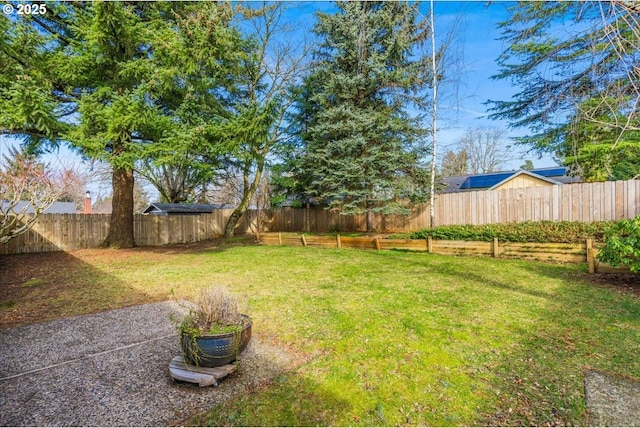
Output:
x,y
203,376
363,243
403,244
462,247
606,268
320,241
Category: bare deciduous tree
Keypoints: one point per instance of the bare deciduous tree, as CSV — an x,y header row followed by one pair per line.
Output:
x,y
266,89
485,149
27,189
455,163
621,97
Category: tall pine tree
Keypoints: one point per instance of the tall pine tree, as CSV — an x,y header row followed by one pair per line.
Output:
x,y
363,148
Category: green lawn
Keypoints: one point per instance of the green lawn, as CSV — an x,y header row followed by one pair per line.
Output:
x,y
396,338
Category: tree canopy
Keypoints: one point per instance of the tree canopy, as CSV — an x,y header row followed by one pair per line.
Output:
x,y
123,83
578,67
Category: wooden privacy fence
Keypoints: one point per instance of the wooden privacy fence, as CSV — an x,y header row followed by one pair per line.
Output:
x,y
585,202
60,232
557,252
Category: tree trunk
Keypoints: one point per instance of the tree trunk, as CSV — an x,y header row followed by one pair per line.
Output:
x,y
248,192
307,217
371,227
121,225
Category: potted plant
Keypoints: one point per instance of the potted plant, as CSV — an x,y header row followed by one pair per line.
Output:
x,y
214,332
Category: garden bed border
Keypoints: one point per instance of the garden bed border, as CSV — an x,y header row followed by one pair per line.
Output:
x,y
585,252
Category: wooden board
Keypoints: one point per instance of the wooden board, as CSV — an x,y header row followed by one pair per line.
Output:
x,y
203,376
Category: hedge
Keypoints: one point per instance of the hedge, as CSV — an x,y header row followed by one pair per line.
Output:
x,y
540,231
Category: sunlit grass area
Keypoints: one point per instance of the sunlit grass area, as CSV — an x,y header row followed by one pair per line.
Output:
x,y
387,338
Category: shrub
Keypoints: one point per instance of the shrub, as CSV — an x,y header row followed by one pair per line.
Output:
x,y
540,231
622,244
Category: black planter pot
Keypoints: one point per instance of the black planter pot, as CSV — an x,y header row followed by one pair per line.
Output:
x,y
213,350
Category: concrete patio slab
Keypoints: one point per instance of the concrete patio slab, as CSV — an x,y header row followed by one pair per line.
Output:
x,y
612,400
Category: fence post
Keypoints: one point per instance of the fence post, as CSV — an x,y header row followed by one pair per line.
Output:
x,y
338,243
279,238
496,248
304,241
377,241
591,257
429,244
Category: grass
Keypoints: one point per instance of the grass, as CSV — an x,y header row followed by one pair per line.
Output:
x,y
389,338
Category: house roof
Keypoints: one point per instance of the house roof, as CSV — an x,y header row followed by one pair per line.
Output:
x,y
55,208
471,182
163,209
530,174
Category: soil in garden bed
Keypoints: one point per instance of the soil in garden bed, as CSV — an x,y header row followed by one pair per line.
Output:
x,y
623,283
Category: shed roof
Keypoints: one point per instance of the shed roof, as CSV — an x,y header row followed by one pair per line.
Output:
x,y
164,208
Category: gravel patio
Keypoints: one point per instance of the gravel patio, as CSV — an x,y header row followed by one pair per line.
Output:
x,y
111,369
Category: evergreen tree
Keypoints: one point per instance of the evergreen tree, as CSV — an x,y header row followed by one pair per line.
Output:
x,y
291,182
578,64
33,105
527,165
363,148
600,152
122,82
199,70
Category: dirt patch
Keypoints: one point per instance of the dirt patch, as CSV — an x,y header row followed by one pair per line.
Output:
x,y
623,283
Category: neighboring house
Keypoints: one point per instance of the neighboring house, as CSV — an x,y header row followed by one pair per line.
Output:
x,y
507,180
55,208
182,209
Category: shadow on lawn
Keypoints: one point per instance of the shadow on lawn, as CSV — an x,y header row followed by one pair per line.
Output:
x,y
299,401
38,287
213,245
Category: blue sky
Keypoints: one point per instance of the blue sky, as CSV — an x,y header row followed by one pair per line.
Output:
x,y
479,45
477,49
